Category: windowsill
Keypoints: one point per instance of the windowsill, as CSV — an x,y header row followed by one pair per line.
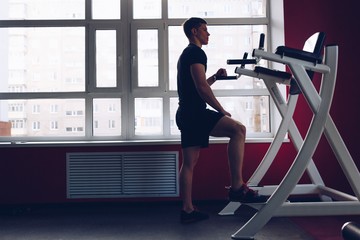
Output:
x,y
121,143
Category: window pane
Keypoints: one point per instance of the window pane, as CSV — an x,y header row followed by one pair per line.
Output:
x,y
147,9
174,130
252,111
42,9
44,117
105,58
216,8
148,116
177,43
107,117
233,41
109,9
148,61
42,59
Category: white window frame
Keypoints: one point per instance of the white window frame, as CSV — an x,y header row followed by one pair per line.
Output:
x,y
126,75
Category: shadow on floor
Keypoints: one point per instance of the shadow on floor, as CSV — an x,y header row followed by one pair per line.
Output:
x,y
135,221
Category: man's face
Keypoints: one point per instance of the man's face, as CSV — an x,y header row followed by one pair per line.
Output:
x,y
202,34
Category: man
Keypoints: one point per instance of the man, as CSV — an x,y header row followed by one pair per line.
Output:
x,y
197,123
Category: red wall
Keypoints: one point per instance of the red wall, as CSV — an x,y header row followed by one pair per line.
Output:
x,y
37,175
338,20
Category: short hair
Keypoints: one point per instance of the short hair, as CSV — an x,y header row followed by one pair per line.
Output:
x,y
191,23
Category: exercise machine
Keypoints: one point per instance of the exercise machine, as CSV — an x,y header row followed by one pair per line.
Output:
x,y
302,64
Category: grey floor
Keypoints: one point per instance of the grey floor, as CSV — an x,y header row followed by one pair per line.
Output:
x,y
110,221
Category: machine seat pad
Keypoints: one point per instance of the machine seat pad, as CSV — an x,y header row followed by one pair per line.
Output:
x,y
271,72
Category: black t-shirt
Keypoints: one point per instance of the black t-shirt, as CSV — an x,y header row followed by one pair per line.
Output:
x,y
189,99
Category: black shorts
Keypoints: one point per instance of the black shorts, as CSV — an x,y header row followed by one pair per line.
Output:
x,y
196,126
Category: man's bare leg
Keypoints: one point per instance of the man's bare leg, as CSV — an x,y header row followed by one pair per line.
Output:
x,y
227,127
190,158
239,191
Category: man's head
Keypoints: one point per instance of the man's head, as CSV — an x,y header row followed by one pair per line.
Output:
x,y
192,23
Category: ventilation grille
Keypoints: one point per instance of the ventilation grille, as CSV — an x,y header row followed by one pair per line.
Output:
x,y
122,174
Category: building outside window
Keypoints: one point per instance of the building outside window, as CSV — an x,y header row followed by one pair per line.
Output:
x,y
106,70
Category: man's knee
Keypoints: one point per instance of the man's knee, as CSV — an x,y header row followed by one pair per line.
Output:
x,y
228,127
239,130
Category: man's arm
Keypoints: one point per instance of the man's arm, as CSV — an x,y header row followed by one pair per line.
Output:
x,y
203,87
221,72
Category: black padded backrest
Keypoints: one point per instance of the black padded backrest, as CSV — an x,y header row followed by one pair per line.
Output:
x,y
311,52
315,45
313,55
317,48
319,44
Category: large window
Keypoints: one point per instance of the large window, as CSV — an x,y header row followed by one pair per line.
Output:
x,y
106,70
